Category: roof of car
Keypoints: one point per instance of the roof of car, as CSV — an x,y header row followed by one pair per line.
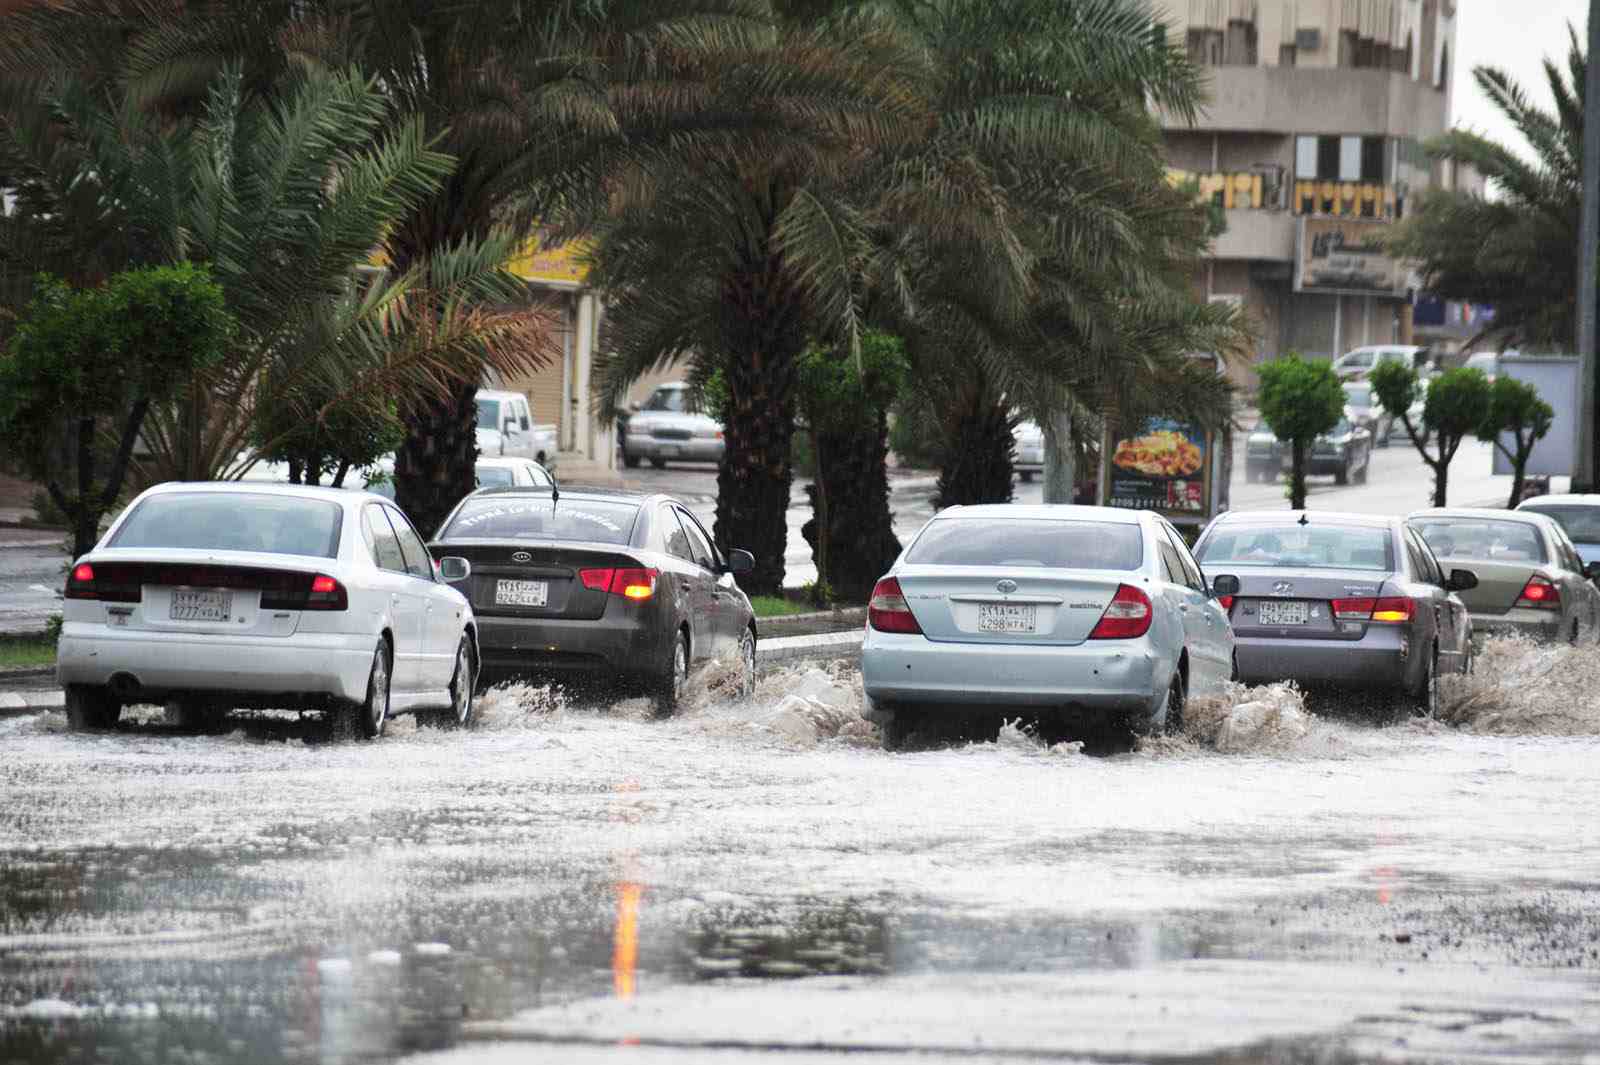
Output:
x,y
1054,511
1588,499
1481,513
621,495
496,461
337,495
1309,517
497,393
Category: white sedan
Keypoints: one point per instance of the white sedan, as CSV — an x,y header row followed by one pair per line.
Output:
x,y
1089,614
227,594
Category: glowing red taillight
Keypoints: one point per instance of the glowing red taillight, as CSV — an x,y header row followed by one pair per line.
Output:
x,y
1227,602
1126,617
1540,594
633,583
327,594
596,580
888,611
80,582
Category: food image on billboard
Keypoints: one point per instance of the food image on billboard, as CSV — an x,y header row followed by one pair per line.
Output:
x,y
1163,468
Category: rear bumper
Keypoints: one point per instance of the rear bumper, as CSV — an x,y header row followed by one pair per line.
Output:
x,y
1536,624
1381,659
552,645
305,665
1122,675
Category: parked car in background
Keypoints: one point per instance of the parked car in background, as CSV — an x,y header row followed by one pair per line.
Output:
x,y
1029,459
1487,362
218,595
487,473
1345,452
1578,516
1361,408
1342,600
506,429
597,582
1530,578
670,426
1359,362
1093,615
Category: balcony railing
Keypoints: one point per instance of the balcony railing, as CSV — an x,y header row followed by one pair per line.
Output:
x,y
1351,199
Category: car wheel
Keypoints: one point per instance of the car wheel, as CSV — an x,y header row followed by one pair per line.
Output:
x,y
747,664
1233,669
669,684
1342,475
371,715
196,715
630,460
461,686
659,464
90,708
1026,476
1426,698
1176,697
898,729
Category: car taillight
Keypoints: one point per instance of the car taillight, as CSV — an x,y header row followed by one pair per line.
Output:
x,y
327,594
1353,609
1126,616
888,611
1393,610
1540,594
1227,603
635,583
80,582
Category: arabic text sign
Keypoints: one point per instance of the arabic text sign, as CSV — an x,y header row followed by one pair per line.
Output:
x,y
1346,255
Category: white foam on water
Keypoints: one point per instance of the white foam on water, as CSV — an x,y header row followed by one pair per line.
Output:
x,y
1522,688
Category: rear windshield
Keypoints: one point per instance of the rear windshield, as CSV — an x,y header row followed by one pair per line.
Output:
x,y
1581,523
541,518
1485,540
1358,395
1024,542
235,521
674,400
1317,546
493,476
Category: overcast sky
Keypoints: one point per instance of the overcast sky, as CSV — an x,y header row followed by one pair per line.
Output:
x,y
1514,35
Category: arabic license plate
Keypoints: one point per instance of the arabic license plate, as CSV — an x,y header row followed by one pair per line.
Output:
x,y
1292,613
668,451
521,593
1008,617
200,606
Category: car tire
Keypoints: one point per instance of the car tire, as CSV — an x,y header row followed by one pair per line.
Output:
x,y
1425,700
196,715
747,664
367,719
462,682
630,460
668,683
1026,476
1177,696
659,464
1342,475
898,729
90,708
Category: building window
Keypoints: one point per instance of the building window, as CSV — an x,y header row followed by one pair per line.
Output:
x,y
1339,158
1239,50
1205,47
1287,54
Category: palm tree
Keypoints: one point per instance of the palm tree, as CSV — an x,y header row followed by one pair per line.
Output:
x,y
285,197
1518,251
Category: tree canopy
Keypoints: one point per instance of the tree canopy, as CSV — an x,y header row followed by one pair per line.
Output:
x,y
1300,400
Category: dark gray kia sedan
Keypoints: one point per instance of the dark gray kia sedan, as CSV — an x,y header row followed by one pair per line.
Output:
x,y
1342,600
617,585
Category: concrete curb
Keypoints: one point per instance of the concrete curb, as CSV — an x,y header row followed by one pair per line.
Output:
x,y
787,650
852,615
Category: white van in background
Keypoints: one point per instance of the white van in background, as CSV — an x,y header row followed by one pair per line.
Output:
x,y
506,428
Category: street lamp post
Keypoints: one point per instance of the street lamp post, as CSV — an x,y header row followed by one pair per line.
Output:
x,y
1588,457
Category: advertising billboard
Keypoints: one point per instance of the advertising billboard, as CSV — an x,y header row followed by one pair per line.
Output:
x,y
1163,465
1555,378
1346,255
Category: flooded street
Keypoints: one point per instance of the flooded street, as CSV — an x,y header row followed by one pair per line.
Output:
x,y
760,882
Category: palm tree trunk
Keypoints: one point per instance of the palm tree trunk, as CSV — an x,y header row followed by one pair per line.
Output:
x,y
854,482
433,466
755,478
977,464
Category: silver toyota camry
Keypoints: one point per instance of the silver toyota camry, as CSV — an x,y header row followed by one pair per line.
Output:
x,y
1344,600
1089,614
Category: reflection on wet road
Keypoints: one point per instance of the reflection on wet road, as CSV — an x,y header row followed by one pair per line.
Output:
x,y
745,879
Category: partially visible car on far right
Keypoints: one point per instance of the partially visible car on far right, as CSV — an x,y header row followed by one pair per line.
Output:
x,y
1578,516
1530,578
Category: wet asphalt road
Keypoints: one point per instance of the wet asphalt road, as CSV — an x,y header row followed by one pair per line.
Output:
x,y
758,882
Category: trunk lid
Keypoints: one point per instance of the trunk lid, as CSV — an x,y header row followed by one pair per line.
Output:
x,y
1269,601
509,579
222,592
1047,607
1499,583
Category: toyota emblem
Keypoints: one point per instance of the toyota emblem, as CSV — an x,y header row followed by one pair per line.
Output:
x,y
521,556
1282,588
1005,586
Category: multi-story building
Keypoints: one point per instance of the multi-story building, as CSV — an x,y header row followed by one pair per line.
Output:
x,y
1312,143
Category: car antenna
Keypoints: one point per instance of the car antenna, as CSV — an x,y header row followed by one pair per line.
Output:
x,y
1303,519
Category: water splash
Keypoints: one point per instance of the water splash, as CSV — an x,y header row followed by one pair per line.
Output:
x,y
1522,688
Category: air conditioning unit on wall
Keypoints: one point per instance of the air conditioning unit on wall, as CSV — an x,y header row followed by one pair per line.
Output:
x,y
1307,40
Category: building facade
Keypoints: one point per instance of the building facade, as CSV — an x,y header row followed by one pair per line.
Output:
x,y
1313,145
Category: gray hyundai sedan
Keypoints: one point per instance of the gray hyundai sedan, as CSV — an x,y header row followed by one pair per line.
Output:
x,y
1343,600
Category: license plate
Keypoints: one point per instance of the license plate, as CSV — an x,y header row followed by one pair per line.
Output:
x,y
668,451
200,606
1293,613
521,593
1008,617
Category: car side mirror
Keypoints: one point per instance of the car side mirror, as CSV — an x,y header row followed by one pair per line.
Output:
x,y
740,561
454,568
1461,580
1224,584
511,425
